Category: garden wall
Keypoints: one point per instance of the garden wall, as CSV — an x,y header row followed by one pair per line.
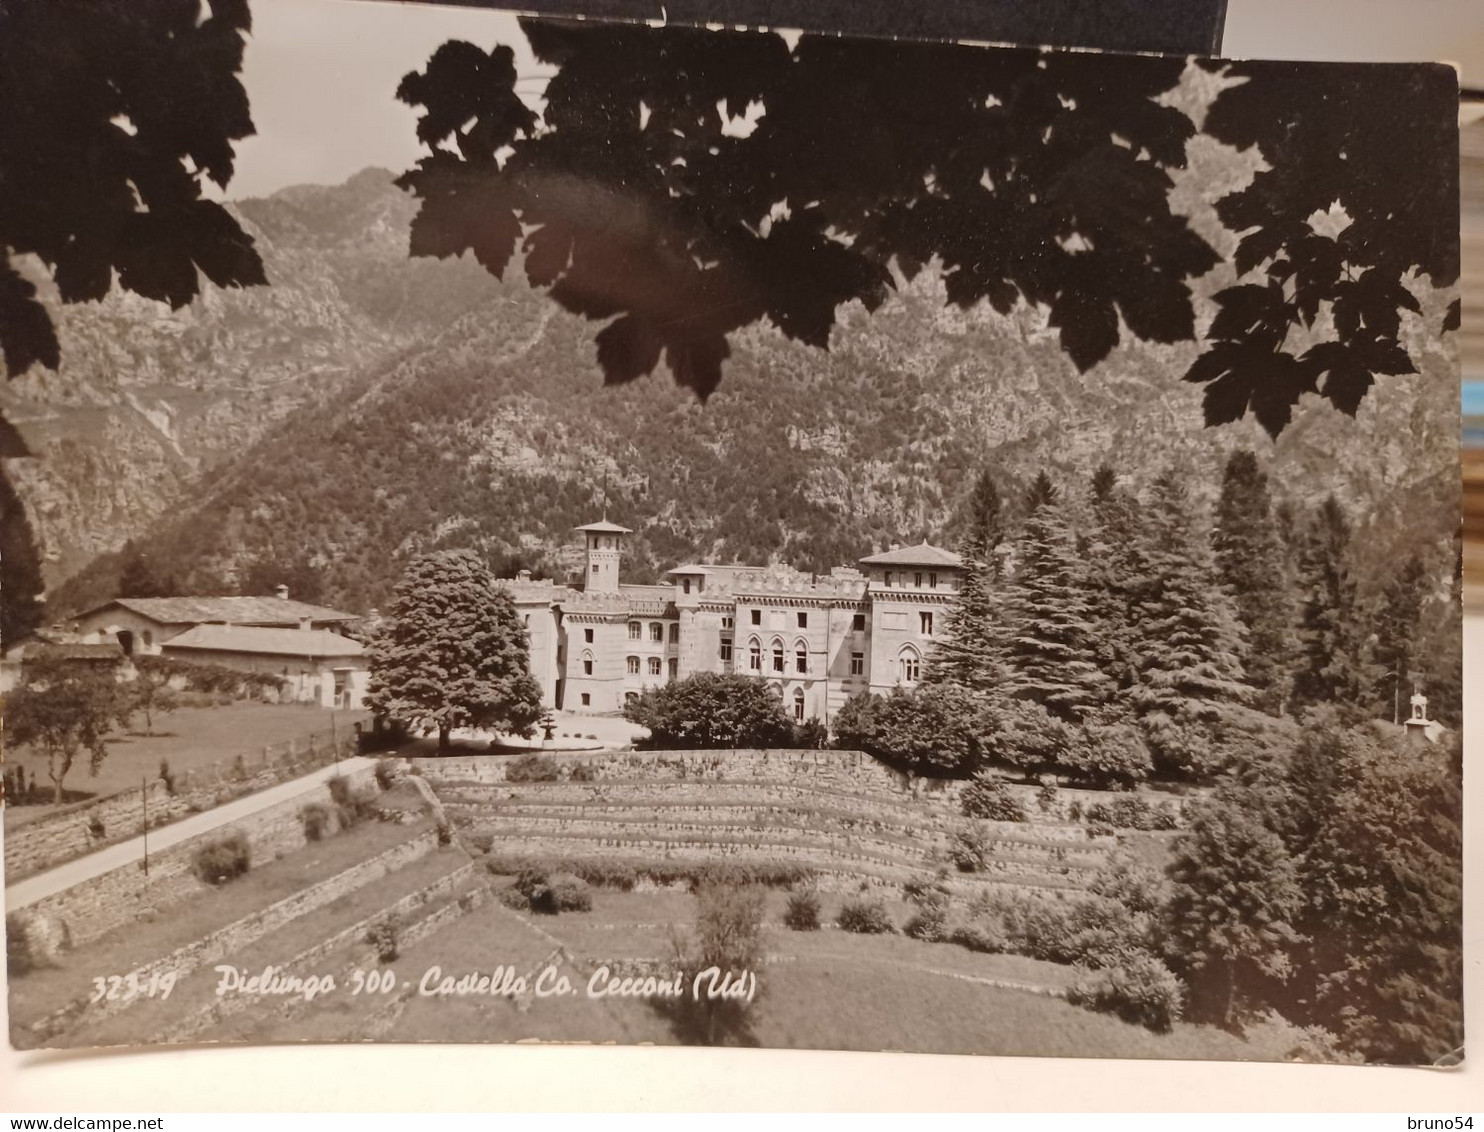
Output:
x,y
97,906
75,830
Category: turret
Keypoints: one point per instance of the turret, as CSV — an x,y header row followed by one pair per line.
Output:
x,y
604,551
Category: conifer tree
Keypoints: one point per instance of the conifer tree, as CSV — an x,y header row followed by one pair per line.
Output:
x,y
1188,640
1250,562
453,652
1052,650
1397,624
1332,665
1118,575
970,651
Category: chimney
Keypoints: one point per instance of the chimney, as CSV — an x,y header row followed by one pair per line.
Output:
x,y
282,592
522,575
305,625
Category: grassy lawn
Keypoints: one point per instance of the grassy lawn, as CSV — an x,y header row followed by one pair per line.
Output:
x,y
130,947
188,738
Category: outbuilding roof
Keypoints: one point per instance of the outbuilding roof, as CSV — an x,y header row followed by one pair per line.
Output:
x,y
226,610
604,527
922,554
304,643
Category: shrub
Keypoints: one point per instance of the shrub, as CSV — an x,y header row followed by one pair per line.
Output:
x,y
583,772
728,935
979,935
339,787
96,829
1131,812
513,898
223,859
386,773
482,842
382,935
969,849
316,819
445,833
802,912
1037,927
867,917
929,923
532,768
167,777
535,885
570,893
1046,797
1139,989
989,797
22,952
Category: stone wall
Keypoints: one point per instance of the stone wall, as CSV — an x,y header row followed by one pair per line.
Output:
x,y
108,901
74,830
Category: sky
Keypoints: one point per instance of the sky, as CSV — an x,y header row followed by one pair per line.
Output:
x,y
321,75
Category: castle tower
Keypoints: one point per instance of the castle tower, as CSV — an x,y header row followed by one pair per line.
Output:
x,y
604,551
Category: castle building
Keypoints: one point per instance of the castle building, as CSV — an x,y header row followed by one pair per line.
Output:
x,y
817,639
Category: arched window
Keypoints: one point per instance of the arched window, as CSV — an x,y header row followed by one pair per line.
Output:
x,y
633,665
799,705
801,656
656,632
636,631
587,663
778,656
147,639
674,667
755,655
911,665
654,666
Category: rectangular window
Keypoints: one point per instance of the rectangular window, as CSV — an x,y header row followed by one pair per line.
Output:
x,y
685,585
757,616
801,661
654,666
917,580
932,581
674,634
755,657
595,569
726,652
858,623
587,700
857,664
726,623
803,621
587,635
674,668
657,632
587,668
635,632
888,579
926,621
778,658
633,664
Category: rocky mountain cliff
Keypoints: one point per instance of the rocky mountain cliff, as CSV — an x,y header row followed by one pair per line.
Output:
x,y
367,406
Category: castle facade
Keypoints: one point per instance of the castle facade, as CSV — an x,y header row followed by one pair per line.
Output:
x,y
818,639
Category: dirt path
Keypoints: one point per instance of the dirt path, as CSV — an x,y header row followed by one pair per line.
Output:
x,y
73,873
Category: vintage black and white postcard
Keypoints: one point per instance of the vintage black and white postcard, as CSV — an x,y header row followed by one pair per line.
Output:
x,y
535,529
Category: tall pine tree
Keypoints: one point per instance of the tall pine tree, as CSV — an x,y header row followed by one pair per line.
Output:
x,y
1332,667
1397,624
970,652
1188,641
1052,651
1251,563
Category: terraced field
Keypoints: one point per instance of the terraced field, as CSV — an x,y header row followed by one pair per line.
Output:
x,y
368,931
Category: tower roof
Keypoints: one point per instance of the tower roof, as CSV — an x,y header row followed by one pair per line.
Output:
x,y
920,555
604,527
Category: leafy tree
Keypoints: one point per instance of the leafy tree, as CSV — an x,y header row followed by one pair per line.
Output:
x,y
1235,897
934,730
65,708
1361,169
150,690
113,115
1383,876
635,199
1251,564
453,652
1332,665
710,710
1052,647
1187,640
